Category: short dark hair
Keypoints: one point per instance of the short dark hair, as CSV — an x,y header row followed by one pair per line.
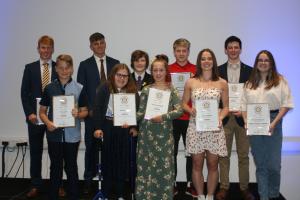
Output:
x,y
96,36
137,54
233,39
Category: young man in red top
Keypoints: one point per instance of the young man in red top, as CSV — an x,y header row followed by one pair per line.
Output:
x,y
181,68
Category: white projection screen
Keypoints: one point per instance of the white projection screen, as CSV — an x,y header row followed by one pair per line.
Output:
x,y
148,25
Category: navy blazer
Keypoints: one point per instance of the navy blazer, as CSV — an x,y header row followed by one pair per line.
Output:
x,y
147,80
89,76
31,87
244,76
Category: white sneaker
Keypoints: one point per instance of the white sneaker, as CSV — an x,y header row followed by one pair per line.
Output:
x,y
209,197
201,197
121,198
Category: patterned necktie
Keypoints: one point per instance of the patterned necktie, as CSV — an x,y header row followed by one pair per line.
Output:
x,y
102,73
46,76
139,83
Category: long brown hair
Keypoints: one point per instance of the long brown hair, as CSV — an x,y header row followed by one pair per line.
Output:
x,y
130,87
273,77
199,72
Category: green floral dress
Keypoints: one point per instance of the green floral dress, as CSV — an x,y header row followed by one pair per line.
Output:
x,y
155,154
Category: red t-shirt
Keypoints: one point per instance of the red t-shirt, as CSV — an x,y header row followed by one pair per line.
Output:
x,y
175,68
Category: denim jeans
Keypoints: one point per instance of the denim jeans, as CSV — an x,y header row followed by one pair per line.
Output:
x,y
266,151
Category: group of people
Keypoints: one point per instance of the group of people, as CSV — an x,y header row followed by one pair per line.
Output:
x,y
147,152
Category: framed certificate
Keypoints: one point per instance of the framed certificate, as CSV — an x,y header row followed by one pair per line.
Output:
x,y
40,122
258,119
158,103
207,112
235,96
179,79
124,107
62,111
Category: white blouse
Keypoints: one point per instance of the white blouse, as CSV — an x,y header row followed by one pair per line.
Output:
x,y
276,97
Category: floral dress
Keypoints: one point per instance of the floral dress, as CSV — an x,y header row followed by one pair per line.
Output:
x,y
155,154
213,141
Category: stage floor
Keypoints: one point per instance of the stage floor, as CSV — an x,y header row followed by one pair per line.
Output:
x,y
16,189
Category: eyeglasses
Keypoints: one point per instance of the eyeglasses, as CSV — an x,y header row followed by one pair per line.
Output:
x,y
122,75
263,61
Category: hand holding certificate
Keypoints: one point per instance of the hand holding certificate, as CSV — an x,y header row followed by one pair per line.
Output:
x,y
62,111
258,119
124,107
178,81
158,103
207,115
235,96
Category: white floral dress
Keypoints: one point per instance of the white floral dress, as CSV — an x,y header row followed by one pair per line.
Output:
x,y
213,141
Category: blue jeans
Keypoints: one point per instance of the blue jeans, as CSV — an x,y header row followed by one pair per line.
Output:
x,y
266,151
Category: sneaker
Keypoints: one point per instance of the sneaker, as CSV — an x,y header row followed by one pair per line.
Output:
x,y
191,191
175,190
200,197
209,197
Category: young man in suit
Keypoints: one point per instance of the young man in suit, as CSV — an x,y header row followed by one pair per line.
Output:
x,y
36,76
234,71
181,48
91,73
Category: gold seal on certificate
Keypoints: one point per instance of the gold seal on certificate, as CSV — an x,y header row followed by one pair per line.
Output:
x,y
39,121
62,111
124,107
235,96
207,115
158,103
179,79
258,119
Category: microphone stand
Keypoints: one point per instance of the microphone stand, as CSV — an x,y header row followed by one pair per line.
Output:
x,y
99,195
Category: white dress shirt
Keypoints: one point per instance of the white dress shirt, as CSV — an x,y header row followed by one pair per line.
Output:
x,y
275,97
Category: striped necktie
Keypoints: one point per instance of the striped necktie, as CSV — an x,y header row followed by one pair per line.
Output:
x,y
46,76
102,73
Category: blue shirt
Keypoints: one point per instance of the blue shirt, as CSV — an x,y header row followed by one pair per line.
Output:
x,y
70,134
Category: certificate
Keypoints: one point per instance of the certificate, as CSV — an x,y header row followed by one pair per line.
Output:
x,y
207,115
157,103
62,111
124,108
39,121
235,96
258,119
179,79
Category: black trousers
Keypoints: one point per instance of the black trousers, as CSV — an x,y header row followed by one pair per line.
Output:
x,y
36,138
63,153
179,129
91,158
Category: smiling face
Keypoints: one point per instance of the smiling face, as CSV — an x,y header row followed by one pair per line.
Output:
x,y
64,70
98,47
159,71
121,78
45,51
206,61
139,65
263,63
181,54
233,51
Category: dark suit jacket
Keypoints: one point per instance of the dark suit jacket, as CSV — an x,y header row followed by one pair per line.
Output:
x,y
89,76
244,76
147,80
31,87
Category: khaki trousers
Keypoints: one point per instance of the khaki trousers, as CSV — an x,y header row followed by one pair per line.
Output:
x,y
242,146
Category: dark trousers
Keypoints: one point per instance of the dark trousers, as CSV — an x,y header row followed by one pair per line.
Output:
x,y
179,129
91,158
36,137
63,153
